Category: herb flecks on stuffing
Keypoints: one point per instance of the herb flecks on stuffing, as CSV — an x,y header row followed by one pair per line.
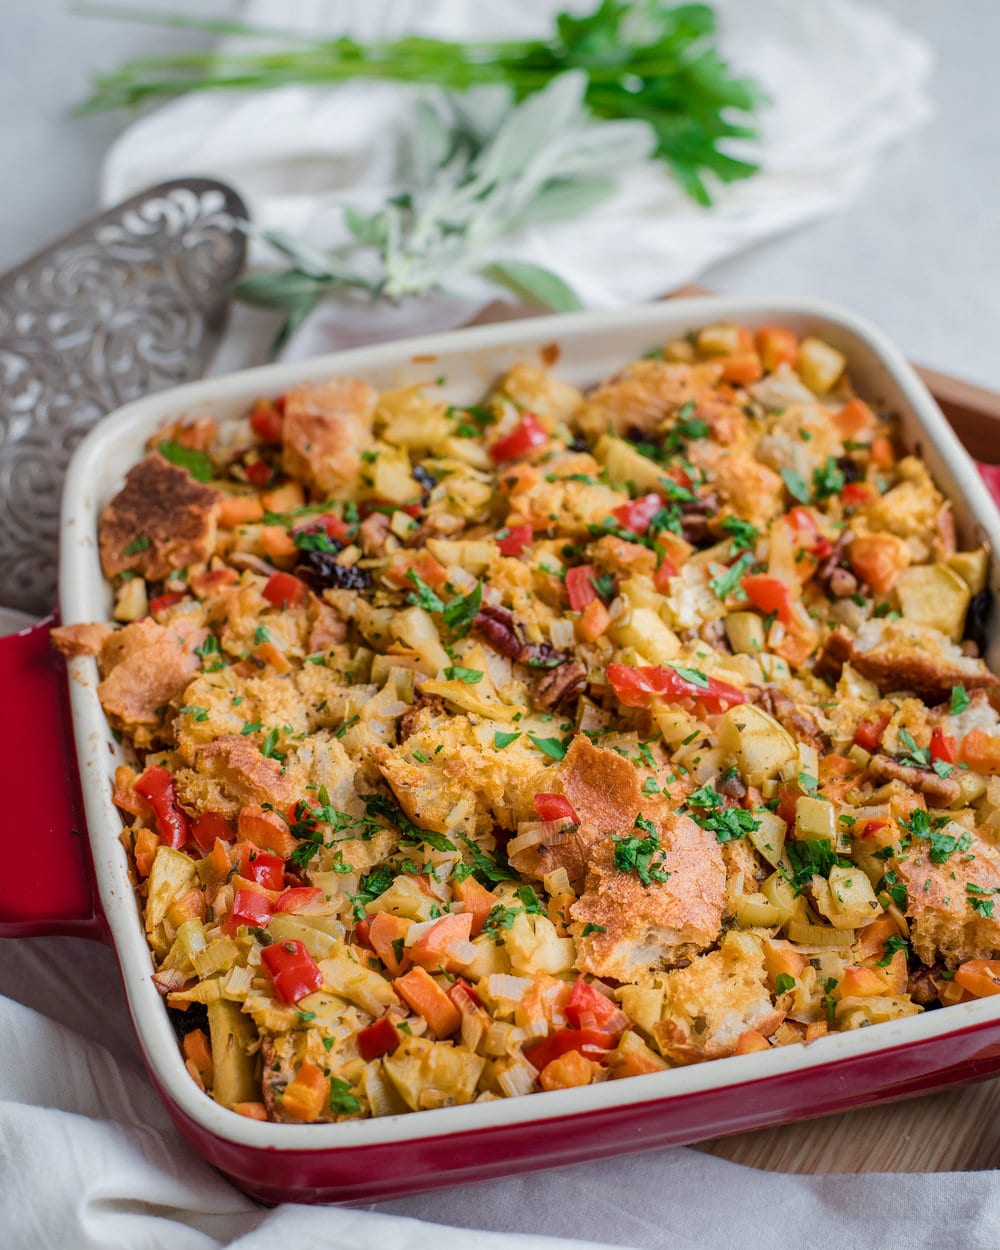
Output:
x,y
551,739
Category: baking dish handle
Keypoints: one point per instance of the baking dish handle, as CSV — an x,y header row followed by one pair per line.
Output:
x,y
46,876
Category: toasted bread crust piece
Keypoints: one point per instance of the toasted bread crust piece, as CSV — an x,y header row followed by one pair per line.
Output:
x,y
643,394
896,666
165,510
943,922
652,926
246,776
85,639
146,666
325,430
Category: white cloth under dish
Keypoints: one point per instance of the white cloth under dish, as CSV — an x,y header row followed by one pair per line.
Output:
x,y
845,81
88,1159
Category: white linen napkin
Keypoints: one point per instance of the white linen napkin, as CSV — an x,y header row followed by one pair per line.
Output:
x,y
846,82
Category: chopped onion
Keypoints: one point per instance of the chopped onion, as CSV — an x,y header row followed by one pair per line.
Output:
x,y
562,632
169,979
518,1079
247,560
473,1026
418,929
503,985
551,832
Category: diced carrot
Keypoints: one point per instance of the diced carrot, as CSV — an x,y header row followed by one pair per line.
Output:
x,y
439,947
782,961
197,434
252,1110
239,510
980,751
477,900
421,563
742,369
833,765
568,1071
816,1030
273,657
622,1063
882,452
896,973
266,830
980,977
211,580
284,498
593,622
219,857
198,1052
853,419
558,911
518,478
190,906
878,559
873,937
751,1041
278,544
777,345
419,989
383,930
144,851
860,983
305,1096
126,796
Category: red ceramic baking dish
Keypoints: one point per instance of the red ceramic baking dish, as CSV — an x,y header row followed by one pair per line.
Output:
x,y
61,757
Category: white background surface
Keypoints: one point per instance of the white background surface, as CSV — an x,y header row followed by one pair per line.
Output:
x,y
919,252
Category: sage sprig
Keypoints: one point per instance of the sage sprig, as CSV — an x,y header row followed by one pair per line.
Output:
x,y
479,168
644,60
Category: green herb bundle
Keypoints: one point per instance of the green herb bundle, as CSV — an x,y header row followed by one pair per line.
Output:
x,y
645,61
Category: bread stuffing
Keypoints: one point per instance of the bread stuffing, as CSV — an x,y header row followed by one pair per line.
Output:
x,y
556,737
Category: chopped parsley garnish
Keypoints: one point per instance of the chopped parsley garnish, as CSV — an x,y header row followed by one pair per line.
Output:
x,y
676,492
650,786
531,902
811,857
460,612
493,868
643,856
979,900
915,757
136,545
895,889
342,1101
694,675
728,582
209,647
381,805
195,712
795,485
351,720
261,636
250,727
605,586
554,748
892,944
783,983
500,917
313,540
420,756
828,480
455,672
959,700
942,845
269,749
371,885
710,812
502,740
808,782
423,596
196,462
743,534
588,929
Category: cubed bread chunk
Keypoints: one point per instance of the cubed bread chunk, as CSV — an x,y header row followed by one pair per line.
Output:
x,y
145,667
242,774
325,430
161,520
638,928
709,1006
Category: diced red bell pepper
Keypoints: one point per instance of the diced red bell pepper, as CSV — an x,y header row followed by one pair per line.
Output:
x,y
517,539
463,988
285,591
589,1008
259,473
662,576
380,1038
162,602
869,733
555,807
209,826
363,933
156,785
591,1043
580,586
769,594
943,747
298,898
873,826
250,907
293,970
261,867
524,437
267,420
637,687
637,514
857,494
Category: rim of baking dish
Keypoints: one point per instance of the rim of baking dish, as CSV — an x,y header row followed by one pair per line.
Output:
x,y
96,748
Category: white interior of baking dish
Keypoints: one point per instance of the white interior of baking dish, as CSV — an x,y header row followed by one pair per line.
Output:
x,y
590,346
